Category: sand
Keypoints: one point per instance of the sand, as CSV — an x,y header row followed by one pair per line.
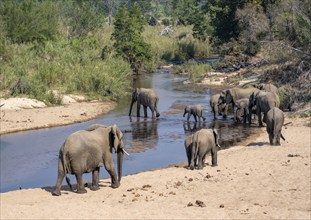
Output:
x,y
252,181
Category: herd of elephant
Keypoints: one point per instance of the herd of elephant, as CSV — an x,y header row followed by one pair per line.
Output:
x,y
87,150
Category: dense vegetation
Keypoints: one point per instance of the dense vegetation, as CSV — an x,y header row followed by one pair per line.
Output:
x,y
93,47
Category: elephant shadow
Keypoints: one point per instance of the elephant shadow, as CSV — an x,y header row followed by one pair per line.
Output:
x,y
66,189
257,144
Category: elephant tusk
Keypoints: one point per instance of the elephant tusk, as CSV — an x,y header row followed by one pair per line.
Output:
x,y
125,152
218,146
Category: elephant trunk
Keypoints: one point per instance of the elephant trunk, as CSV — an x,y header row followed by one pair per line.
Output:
x,y
235,113
132,103
120,163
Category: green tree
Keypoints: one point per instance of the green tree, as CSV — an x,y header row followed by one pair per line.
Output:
x,y
129,43
185,11
202,26
28,20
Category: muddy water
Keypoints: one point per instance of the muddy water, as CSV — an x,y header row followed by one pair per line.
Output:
x,y
29,159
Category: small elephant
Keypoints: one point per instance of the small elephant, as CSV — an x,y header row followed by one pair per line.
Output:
x,y
266,87
230,96
275,121
241,104
198,145
195,110
147,98
216,105
86,151
263,101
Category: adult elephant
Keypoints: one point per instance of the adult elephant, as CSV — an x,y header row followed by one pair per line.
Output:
x,y
230,96
216,106
196,111
266,87
263,101
199,144
275,121
146,98
86,151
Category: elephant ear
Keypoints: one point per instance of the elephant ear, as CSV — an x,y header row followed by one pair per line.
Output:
x,y
115,137
216,137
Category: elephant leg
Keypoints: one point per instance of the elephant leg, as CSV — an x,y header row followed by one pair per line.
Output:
x,y
95,179
195,118
60,178
138,109
188,116
200,161
225,111
80,184
259,117
111,170
214,156
193,157
245,116
145,112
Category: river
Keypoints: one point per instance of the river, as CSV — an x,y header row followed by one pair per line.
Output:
x,y
29,158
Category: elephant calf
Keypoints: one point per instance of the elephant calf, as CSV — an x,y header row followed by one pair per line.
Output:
x,y
241,104
86,151
216,105
198,145
196,111
275,121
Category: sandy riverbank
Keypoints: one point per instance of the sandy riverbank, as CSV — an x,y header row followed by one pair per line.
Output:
x,y
253,181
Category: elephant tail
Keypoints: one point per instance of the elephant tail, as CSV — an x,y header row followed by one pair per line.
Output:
x,y
274,122
66,168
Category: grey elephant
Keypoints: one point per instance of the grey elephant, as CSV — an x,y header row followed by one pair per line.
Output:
x,y
86,151
230,96
216,105
196,111
266,87
263,101
275,121
148,98
241,105
198,145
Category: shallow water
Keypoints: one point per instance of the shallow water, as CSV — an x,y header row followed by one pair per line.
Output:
x,y
29,159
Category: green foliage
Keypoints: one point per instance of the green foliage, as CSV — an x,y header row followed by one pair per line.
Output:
x,y
28,20
129,43
195,71
202,27
185,12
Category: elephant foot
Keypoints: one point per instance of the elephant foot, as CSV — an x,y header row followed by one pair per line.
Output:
x,y
56,192
94,188
81,191
191,167
158,115
214,165
224,116
115,185
200,168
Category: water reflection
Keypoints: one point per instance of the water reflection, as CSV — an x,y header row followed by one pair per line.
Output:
x,y
144,134
191,127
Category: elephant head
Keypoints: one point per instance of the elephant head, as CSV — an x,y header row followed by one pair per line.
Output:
x,y
135,95
187,110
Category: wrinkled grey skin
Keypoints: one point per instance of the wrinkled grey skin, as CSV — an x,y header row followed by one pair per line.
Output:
x,y
263,101
216,105
86,151
275,121
196,111
241,105
199,144
146,98
267,87
230,96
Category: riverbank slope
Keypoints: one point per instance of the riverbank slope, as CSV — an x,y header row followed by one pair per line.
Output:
x,y
255,180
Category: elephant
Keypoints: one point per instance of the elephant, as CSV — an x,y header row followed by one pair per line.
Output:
x,y
264,101
86,151
275,121
241,104
266,87
230,96
199,144
195,110
216,106
147,98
